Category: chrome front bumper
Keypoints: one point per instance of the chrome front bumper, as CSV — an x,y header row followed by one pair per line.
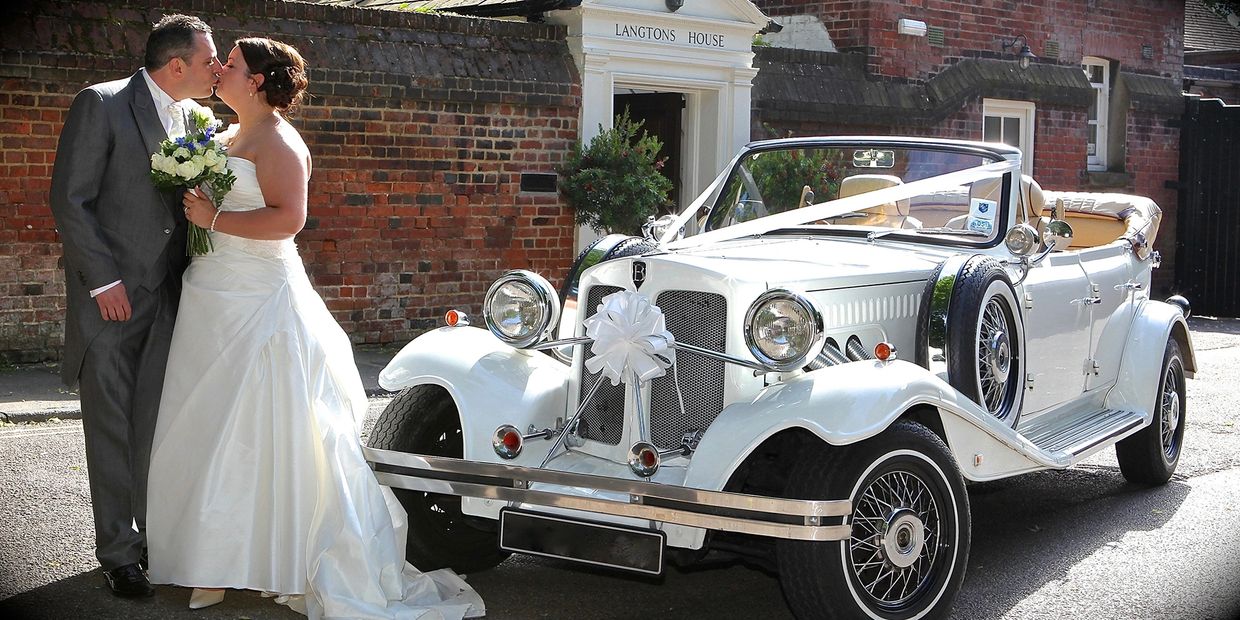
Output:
x,y
772,517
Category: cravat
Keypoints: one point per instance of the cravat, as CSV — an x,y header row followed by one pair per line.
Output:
x,y
178,121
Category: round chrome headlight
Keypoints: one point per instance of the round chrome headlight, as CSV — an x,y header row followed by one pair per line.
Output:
x,y
783,330
520,308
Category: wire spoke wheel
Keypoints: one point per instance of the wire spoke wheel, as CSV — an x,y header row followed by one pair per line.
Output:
x,y
985,340
895,538
1169,412
994,356
444,510
1151,455
905,556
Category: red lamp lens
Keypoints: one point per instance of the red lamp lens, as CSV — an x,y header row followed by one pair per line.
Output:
x,y
648,458
512,440
882,351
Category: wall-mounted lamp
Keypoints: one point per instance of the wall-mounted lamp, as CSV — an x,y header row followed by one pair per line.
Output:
x,y
911,27
1024,55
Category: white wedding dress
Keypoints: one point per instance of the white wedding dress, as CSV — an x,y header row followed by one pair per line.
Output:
x,y
257,476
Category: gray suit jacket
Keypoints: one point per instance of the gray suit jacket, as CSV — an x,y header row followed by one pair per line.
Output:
x,y
113,222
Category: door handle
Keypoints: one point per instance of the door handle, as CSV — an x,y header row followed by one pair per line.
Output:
x,y
1088,300
1130,286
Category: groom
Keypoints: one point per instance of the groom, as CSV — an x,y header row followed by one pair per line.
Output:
x,y
124,252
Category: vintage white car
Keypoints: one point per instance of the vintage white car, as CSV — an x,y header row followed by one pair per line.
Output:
x,y
806,366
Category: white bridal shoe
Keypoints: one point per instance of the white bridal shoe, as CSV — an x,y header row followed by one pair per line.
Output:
x,y
200,598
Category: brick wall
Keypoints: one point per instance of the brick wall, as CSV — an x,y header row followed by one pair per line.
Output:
x,y
1112,29
420,126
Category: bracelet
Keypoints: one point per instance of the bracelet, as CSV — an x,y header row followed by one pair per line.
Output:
x,y
215,217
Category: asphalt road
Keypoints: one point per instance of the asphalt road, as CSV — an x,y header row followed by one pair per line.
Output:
x,y
1068,544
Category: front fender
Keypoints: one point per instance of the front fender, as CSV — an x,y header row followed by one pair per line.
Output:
x,y
1136,388
492,384
848,403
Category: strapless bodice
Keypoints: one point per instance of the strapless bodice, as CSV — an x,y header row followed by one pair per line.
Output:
x,y
246,195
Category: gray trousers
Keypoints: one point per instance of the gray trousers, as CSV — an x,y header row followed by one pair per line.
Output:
x,y
121,380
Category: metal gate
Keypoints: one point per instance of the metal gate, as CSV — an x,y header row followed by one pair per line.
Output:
x,y
1208,253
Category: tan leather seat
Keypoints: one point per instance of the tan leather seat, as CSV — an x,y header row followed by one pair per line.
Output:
x,y
1101,218
889,214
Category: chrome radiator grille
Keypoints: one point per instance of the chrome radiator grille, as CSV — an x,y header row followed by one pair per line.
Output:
x,y
603,419
698,319
693,317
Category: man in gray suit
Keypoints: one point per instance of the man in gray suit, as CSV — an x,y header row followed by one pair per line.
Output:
x,y
124,253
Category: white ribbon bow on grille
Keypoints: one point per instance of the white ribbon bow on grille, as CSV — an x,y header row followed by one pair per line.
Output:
x,y
630,339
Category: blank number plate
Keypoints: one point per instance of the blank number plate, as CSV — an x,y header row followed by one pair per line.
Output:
x,y
599,544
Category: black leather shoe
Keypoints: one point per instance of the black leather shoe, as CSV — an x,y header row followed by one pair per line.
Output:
x,y
128,581
144,563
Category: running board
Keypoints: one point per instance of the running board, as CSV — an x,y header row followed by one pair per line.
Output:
x,y
1074,436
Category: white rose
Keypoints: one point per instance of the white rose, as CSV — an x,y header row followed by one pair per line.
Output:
x,y
167,165
204,117
220,167
189,169
210,158
181,153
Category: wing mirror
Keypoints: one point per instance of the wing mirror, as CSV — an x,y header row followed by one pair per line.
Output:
x,y
1022,241
1058,235
654,229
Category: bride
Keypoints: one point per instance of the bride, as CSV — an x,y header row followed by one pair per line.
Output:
x,y
257,477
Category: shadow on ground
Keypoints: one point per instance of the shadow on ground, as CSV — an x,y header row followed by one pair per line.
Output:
x,y
85,596
1028,532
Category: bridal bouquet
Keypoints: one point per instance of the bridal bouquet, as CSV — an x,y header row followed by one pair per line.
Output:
x,y
190,161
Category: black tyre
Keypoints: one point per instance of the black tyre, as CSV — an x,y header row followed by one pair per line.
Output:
x,y
423,420
1151,455
603,249
985,337
910,530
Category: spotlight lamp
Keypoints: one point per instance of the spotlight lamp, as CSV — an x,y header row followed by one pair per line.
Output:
x,y
1023,54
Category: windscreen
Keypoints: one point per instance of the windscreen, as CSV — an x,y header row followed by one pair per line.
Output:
x,y
775,181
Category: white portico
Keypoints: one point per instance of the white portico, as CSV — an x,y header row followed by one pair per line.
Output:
x,y
699,49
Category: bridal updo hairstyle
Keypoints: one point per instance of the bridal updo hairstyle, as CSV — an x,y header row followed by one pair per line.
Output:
x,y
283,69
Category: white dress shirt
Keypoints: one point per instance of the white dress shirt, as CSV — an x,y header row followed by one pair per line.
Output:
x,y
168,109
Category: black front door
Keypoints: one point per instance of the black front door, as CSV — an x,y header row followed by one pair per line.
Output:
x,y
661,113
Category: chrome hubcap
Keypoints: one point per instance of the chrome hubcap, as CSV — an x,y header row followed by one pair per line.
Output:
x,y
895,531
905,538
994,356
1000,357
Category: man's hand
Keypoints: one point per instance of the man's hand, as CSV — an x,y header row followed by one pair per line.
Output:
x,y
114,304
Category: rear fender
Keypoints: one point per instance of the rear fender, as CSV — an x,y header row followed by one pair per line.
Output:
x,y
1136,387
492,383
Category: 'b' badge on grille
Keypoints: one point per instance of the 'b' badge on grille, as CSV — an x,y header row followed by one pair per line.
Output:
x,y
639,273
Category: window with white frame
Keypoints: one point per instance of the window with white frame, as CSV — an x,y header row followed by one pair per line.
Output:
x,y
1010,122
1098,72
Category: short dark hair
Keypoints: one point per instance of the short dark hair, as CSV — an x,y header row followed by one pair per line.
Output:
x,y
172,37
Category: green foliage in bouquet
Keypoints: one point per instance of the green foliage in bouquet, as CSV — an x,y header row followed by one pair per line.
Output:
x,y
193,160
614,183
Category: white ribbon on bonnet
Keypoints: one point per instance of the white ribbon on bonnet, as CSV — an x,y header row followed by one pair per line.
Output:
x,y
630,339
